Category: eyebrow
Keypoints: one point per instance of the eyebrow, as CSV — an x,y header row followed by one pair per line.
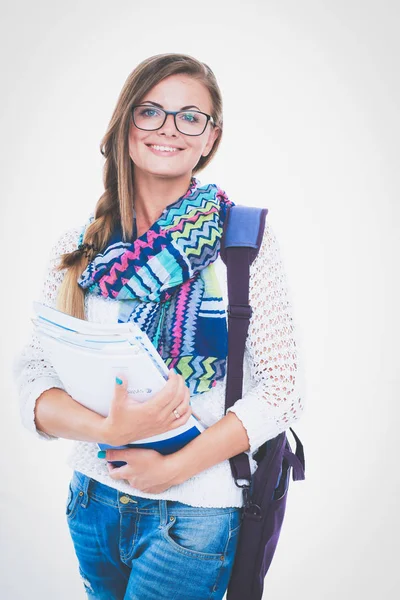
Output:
x,y
161,106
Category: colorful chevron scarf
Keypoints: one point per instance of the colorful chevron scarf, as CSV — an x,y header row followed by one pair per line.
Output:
x,y
167,283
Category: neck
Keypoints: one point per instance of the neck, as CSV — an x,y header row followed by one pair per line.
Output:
x,y
153,193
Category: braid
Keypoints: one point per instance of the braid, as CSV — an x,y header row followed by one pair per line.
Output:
x,y
88,250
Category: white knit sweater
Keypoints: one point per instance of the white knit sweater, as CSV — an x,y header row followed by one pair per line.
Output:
x,y
272,390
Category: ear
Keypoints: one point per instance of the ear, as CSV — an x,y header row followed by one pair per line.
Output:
x,y
214,133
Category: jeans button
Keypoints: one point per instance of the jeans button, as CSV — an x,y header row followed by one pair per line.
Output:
x,y
126,499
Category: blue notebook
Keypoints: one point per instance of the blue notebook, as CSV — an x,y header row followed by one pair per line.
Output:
x,y
164,446
87,356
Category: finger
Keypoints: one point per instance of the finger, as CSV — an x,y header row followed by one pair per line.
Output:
x,y
129,454
119,472
174,401
121,389
163,398
122,454
179,391
182,419
183,409
173,396
185,401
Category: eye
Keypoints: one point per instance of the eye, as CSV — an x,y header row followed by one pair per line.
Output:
x,y
149,112
189,117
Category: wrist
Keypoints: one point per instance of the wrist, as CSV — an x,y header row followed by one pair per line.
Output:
x,y
175,468
105,435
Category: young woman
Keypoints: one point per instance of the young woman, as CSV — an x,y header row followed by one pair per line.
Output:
x,y
163,527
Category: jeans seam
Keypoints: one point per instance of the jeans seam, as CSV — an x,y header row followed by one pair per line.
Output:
x,y
232,531
223,562
127,557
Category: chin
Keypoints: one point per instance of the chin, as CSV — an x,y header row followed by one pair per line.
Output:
x,y
165,172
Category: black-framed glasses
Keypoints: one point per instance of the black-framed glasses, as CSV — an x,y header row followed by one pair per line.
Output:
x,y
188,122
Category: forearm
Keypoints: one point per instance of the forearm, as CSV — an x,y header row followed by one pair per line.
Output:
x,y
219,442
57,413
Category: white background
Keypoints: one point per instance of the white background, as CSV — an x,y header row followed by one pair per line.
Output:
x,y
311,130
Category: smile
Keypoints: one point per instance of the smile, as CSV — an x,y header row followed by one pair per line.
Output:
x,y
163,150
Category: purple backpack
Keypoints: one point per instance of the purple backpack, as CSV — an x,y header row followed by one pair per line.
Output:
x,y
265,493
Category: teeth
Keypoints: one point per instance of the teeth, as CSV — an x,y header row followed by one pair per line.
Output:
x,y
165,148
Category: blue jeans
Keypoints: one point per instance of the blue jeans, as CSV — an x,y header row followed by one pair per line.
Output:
x,y
132,548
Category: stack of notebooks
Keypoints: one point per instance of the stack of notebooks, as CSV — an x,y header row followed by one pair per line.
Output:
x,y
87,357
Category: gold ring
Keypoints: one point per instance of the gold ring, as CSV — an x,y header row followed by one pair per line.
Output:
x,y
176,413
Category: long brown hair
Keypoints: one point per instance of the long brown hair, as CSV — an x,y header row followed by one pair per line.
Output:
x,y
115,205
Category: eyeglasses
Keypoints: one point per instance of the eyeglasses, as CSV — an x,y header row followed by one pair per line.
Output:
x,y
188,122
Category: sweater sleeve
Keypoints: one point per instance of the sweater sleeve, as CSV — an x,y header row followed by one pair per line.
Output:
x,y
275,400
33,373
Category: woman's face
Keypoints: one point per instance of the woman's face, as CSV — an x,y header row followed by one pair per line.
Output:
x,y
173,93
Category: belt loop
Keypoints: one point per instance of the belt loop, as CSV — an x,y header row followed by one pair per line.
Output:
x,y
163,512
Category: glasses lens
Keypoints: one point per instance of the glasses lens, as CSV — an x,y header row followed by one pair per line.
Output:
x,y
191,122
148,117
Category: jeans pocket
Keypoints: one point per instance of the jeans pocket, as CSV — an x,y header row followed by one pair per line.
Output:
x,y
72,504
203,537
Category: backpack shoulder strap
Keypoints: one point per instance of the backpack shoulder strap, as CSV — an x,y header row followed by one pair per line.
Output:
x,y
240,243
244,227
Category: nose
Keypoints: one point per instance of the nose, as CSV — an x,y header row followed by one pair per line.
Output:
x,y
169,126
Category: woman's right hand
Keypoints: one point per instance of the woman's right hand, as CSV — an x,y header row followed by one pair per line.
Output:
x,y
129,420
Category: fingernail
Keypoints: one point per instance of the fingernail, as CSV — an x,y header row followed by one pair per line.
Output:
x,y
101,454
118,380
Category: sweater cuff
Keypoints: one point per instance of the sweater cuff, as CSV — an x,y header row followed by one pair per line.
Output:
x,y
255,415
36,388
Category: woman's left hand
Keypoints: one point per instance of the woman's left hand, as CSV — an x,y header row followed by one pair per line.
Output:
x,y
146,470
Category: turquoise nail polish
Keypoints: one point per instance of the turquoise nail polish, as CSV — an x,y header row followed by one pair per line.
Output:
x,y
118,380
101,454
